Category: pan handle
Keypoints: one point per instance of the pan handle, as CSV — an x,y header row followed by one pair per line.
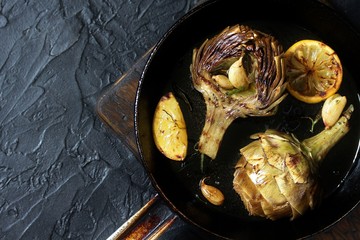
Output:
x,y
144,224
148,222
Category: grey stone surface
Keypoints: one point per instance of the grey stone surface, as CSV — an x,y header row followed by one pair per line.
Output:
x,y
62,175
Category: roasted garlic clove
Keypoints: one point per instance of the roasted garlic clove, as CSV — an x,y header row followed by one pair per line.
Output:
x,y
223,81
211,193
237,75
332,109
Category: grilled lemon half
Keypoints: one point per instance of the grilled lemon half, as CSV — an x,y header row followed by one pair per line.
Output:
x,y
313,71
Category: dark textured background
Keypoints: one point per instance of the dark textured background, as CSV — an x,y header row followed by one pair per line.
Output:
x,y
62,174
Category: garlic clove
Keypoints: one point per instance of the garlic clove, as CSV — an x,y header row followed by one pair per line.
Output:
x,y
211,193
223,81
237,75
332,109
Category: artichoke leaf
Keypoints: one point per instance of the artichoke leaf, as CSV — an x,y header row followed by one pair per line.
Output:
x,y
298,195
298,167
254,154
250,195
266,184
275,212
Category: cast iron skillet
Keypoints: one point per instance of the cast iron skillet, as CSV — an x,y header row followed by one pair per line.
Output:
x,y
168,70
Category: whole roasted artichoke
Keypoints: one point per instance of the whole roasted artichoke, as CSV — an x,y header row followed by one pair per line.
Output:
x,y
277,175
240,73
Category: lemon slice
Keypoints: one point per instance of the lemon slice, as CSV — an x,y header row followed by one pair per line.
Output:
x,y
169,129
313,71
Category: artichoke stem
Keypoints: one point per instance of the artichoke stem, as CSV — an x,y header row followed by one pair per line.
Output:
x,y
320,144
216,123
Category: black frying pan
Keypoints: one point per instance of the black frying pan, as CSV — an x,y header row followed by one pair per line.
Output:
x,y
168,70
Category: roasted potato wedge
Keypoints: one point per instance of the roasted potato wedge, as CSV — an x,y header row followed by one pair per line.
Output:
x,y
169,129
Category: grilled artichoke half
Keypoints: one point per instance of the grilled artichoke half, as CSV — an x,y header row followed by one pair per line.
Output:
x,y
240,73
276,176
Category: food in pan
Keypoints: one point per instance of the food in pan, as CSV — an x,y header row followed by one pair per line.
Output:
x,y
313,71
211,193
276,175
240,73
332,109
169,128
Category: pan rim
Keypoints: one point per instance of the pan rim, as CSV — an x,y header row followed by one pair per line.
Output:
x,y
136,119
